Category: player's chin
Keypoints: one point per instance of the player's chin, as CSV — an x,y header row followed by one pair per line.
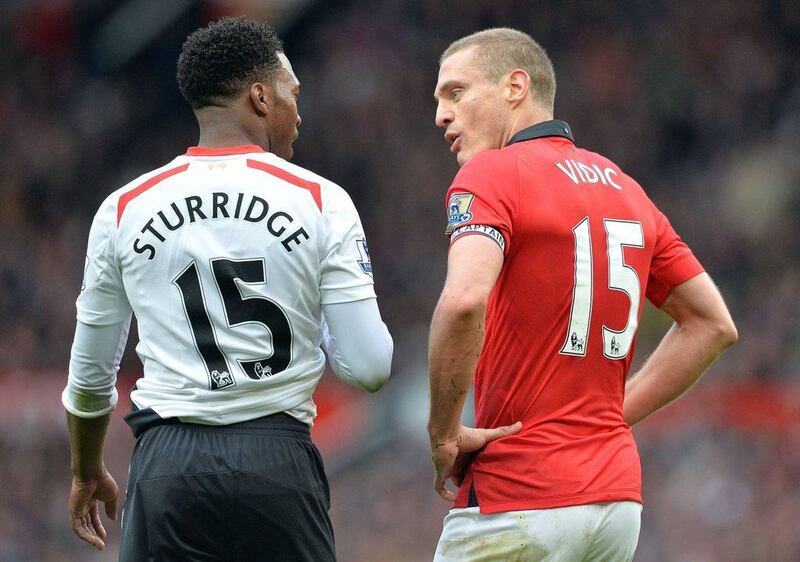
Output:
x,y
463,156
466,154
290,148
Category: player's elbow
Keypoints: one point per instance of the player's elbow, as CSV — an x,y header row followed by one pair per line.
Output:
x,y
372,369
375,382
726,333
372,376
463,303
718,333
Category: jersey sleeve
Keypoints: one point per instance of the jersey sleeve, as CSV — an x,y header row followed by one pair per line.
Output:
x,y
484,198
673,263
102,300
346,270
93,366
357,343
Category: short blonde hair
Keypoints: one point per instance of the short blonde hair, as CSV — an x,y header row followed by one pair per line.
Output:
x,y
500,50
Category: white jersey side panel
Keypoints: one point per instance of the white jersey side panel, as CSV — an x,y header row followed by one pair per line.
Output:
x,y
225,261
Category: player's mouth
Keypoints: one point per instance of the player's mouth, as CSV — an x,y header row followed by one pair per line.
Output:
x,y
455,141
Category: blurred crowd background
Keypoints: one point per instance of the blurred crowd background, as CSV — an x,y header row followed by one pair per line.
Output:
x,y
699,101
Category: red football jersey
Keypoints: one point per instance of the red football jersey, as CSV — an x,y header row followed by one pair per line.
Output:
x,y
583,246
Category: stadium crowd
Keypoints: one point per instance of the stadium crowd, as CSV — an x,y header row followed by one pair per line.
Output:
x,y
699,101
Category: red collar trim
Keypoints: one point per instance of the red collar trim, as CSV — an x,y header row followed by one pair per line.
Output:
x,y
227,151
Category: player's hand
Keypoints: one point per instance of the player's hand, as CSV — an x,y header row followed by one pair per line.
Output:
x,y
459,470
84,511
451,457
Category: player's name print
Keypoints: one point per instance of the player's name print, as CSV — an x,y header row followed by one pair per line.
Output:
x,y
579,172
217,206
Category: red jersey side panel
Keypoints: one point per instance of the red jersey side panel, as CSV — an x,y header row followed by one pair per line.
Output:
x,y
584,246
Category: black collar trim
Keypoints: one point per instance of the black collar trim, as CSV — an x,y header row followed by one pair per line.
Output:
x,y
553,128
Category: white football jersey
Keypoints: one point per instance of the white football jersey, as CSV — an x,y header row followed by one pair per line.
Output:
x,y
225,256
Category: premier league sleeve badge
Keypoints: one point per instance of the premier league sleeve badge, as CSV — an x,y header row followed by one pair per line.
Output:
x,y
363,252
458,210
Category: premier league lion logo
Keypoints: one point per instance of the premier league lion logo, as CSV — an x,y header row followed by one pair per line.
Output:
x,y
221,379
458,210
576,342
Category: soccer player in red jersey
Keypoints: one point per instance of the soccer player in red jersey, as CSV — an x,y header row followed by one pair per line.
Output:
x,y
553,249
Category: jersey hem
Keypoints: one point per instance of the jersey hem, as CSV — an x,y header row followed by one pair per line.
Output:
x,y
86,415
189,412
696,269
624,494
673,261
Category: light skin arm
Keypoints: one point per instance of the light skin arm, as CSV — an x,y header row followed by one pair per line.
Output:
x,y
91,482
703,329
456,340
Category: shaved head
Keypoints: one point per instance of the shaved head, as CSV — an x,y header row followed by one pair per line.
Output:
x,y
501,50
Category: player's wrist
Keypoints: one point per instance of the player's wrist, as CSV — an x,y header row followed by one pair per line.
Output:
x,y
88,472
439,436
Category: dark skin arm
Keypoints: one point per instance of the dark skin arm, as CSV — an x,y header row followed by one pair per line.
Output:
x,y
91,482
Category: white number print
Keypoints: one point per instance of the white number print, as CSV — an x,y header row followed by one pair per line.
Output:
x,y
581,313
621,277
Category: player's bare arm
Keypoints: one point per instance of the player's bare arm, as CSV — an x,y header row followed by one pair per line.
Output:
x,y
91,482
456,340
703,329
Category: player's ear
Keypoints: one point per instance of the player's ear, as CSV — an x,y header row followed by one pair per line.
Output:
x,y
518,86
260,98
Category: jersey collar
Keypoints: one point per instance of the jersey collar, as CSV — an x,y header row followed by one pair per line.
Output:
x,y
227,151
552,128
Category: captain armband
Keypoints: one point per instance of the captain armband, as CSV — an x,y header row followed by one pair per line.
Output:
x,y
482,229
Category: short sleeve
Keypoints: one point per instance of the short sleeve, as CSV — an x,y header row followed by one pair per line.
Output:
x,y
346,269
102,300
673,263
484,198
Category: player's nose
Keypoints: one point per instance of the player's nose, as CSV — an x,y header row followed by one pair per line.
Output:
x,y
444,116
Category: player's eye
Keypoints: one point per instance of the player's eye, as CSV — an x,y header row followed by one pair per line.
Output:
x,y
455,93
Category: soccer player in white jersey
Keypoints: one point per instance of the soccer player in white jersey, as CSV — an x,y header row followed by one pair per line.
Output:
x,y
239,267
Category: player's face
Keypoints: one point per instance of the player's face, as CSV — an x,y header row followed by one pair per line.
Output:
x,y
470,107
284,120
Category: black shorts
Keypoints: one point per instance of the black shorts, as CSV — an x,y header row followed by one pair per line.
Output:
x,y
249,491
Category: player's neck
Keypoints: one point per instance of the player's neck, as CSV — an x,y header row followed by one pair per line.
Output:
x,y
524,118
220,129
